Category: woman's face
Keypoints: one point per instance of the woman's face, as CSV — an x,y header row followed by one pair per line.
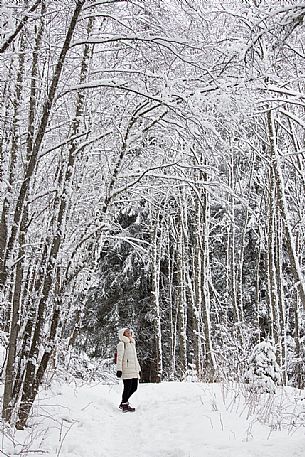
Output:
x,y
127,333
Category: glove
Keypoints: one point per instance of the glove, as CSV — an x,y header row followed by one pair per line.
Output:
x,y
140,374
119,374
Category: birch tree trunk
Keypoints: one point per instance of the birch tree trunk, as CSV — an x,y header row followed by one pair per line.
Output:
x,y
210,365
281,320
281,199
232,257
13,143
171,243
33,378
181,289
13,316
300,376
157,240
272,284
197,299
18,227
30,166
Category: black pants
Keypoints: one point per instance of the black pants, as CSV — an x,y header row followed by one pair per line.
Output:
x,y
130,386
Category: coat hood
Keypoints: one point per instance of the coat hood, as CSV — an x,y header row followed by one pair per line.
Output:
x,y
124,338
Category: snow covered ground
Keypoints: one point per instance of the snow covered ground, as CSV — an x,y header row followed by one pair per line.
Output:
x,y
172,420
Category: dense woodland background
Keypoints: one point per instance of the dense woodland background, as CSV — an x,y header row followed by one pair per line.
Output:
x,y
152,175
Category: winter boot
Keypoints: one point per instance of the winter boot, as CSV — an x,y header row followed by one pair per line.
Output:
x,y
126,408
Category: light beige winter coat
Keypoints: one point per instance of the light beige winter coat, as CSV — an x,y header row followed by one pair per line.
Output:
x,y
127,360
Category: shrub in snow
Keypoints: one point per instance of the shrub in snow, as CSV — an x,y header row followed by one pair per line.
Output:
x,y
264,373
76,364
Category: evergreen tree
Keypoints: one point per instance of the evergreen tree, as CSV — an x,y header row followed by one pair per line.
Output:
x,y
264,372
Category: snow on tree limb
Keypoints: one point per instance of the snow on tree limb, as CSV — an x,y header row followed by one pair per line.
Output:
x,y
19,27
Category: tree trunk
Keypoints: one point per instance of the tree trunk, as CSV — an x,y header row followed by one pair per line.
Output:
x,y
171,295
282,321
31,382
181,290
281,198
157,236
210,365
31,164
272,276
10,371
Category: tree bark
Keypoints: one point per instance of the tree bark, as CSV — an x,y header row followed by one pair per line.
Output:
x,y
181,299
210,365
156,246
281,198
31,382
31,164
19,27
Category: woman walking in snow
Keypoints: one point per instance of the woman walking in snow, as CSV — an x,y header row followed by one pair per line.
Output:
x,y
128,367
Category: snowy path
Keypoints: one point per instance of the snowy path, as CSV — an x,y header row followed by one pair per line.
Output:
x,y
172,420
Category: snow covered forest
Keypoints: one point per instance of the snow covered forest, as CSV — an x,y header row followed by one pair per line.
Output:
x,y
152,175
